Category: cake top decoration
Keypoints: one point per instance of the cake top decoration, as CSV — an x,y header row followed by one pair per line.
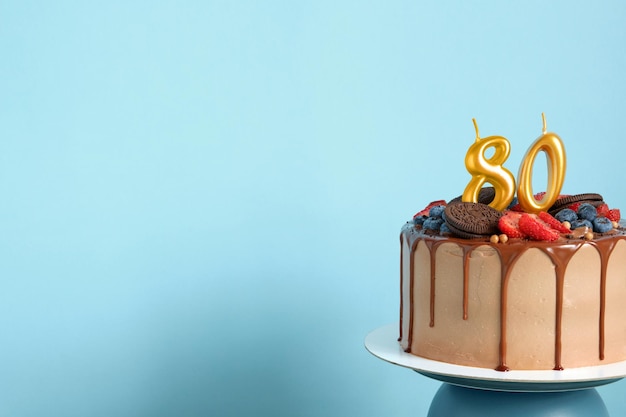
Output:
x,y
508,209
491,170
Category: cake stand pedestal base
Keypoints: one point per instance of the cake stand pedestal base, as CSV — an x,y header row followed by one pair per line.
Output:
x,y
457,401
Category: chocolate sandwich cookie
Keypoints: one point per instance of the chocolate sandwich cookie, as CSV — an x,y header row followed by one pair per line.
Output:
x,y
472,218
485,196
464,235
566,201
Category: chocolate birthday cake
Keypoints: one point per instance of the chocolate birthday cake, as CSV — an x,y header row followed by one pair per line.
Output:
x,y
515,288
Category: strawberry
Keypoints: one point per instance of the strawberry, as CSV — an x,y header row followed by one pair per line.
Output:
x,y
509,224
614,215
552,222
428,207
536,229
602,210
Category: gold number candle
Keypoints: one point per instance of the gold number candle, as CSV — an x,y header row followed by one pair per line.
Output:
x,y
484,169
551,144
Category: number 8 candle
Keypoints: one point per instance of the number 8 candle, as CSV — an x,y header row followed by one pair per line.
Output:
x,y
551,144
489,170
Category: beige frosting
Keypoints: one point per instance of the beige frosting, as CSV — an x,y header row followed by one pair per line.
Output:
x,y
456,315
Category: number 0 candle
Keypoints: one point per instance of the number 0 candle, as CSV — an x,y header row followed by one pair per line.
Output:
x,y
551,144
484,169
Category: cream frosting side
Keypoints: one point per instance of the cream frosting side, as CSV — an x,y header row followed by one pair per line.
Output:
x,y
521,306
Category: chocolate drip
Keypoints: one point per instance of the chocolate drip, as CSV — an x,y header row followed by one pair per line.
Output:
x,y
560,257
507,261
560,254
432,247
466,254
604,248
411,293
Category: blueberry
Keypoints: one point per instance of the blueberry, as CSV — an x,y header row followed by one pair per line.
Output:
x,y
587,212
432,223
436,211
419,220
602,224
513,203
581,223
566,215
444,229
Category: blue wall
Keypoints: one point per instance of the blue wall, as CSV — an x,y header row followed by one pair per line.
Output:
x,y
200,201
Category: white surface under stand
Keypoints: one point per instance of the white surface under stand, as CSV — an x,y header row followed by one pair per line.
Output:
x,y
470,392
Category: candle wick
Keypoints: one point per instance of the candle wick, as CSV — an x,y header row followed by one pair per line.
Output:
x,y
543,117
476,128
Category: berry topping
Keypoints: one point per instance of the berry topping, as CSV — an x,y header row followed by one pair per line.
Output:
x,y
587,212
536,229
436,211
514,204
552,222
602,225
614,215
509,224
603,210
577,224
428,207
433,223
574,207
566,215
419,220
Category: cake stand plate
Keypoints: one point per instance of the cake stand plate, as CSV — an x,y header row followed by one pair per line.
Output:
x,y
469,391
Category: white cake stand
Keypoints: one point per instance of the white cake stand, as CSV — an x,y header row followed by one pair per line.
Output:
x,y
470,392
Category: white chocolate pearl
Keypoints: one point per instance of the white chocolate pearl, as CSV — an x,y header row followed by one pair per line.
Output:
x,y
567,224
494,239
503,238
589,236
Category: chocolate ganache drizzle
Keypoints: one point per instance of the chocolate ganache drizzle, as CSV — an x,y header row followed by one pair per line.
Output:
x,y
560,253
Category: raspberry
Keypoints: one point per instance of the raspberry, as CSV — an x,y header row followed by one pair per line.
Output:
x,y
534,228
574,206
552,222
614,215
428,207
509,224
603,210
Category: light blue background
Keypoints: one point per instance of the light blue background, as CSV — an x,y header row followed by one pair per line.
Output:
x,y
201,201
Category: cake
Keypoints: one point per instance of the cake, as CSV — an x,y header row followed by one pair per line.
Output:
x,y
512,290
502,278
